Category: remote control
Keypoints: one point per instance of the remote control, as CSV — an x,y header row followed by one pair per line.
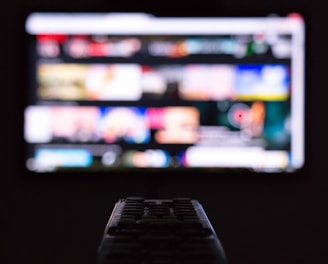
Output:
x,y
163,231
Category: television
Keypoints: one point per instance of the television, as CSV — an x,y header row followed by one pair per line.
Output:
x,y
131,91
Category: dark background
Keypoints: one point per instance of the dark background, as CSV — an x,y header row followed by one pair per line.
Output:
x,y
259,219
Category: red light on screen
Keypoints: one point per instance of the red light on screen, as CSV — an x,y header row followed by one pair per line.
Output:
x,y
297,16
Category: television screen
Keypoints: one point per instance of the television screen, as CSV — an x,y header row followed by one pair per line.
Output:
x,y
127,91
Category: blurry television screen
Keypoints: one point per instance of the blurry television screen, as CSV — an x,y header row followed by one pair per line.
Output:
x,y
124,91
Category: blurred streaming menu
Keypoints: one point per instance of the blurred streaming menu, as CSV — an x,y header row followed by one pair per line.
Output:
x,y
104,102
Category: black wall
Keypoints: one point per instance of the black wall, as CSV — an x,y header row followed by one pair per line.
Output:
x,y
258,219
